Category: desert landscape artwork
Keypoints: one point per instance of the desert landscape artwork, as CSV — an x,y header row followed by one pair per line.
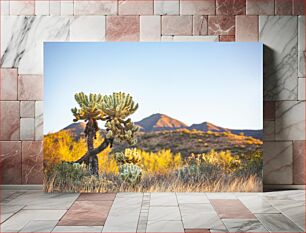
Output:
x,y
153,117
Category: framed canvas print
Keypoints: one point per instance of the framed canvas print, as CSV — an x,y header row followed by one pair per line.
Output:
x,y
153,117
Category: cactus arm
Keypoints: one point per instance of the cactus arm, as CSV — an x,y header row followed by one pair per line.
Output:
x,y
99,149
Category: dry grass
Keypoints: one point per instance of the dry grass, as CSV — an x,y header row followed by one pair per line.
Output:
x,y
149,183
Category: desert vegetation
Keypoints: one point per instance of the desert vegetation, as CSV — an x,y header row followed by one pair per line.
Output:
x,y
120,158
158,171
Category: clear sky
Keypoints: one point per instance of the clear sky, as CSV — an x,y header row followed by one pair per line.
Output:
x,y
193,82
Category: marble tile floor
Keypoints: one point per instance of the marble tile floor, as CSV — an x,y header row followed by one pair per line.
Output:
x,y
35,211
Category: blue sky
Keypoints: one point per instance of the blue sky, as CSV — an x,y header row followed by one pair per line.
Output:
x,y
193,82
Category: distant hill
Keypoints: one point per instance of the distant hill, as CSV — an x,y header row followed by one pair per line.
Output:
x,y
248,132
160,122
206,126
75,129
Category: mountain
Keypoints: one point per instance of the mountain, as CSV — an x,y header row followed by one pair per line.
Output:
x,y
160,122
255,133
206,126
76,129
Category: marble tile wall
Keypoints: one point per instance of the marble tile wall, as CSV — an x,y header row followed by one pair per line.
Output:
x,y
278,24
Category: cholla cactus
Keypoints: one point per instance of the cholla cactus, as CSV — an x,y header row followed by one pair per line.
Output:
x,y
129,156
114,109
118,107
89,107
130,173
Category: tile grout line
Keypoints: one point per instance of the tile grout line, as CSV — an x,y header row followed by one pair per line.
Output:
x,y
16,211
179,211
143,216
68,209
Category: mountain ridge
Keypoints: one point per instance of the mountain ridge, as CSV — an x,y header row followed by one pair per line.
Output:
x,y
203,127
162,122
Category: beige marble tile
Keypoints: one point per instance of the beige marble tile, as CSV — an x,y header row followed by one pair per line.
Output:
x,y
74,229
260,7
301,89
107,7
290,120
39,226
301,47
192,198
277,162
67,7
165,226
39,117
23,217
5,7
27,109
167,213
163,199
22,7
27,129
177,25
278,223
189,38
150,29
55,8
166,7
135,7
240,225
8,210
279,35
42,7
87,28
200,25
257,205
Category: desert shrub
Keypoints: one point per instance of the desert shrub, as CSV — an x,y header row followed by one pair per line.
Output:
x,y
253,164
222,159
63,174
160,162
130,173
129,156
198,173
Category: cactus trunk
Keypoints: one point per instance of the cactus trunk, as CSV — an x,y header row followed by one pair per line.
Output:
x,y
93,158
